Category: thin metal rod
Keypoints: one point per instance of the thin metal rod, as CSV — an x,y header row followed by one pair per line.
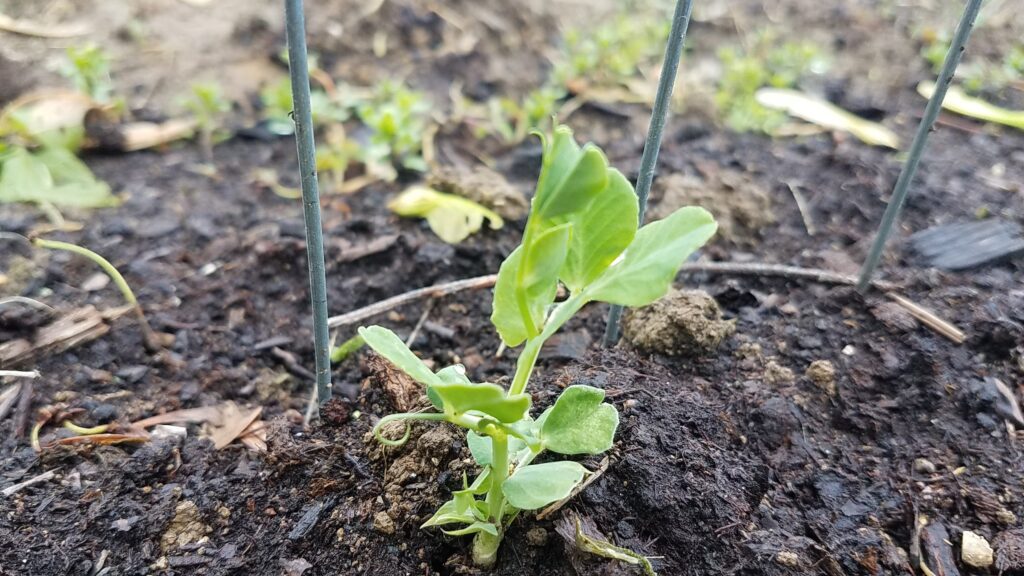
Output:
x,y
302,114
659,115
900,191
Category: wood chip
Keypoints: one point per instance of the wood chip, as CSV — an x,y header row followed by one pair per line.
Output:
x,y
71,330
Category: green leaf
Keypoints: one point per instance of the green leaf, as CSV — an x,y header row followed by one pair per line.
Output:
x,y
600,233
536,284
580,422
24,178
453,218
486,398
389,345
652,260
480,447
449,513
53,175
473,529
538,485
570,177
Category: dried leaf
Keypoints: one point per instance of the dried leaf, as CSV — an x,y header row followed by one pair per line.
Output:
x,y
451,217
826,115
45,112
958,101
211,414
234,422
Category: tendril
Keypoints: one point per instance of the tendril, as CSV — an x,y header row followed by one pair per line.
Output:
x,y
431,416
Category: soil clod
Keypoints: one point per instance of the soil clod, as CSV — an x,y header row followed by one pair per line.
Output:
x,y
683,323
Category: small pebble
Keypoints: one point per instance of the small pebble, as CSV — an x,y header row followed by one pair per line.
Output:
x,y
924,466
383,523
975,550
537,536
788,559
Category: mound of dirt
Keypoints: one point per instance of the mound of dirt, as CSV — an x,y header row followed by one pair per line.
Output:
x,y
683,323
741,205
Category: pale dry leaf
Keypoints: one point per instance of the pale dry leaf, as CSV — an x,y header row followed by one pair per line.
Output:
x,y
958,101
233,423
826,115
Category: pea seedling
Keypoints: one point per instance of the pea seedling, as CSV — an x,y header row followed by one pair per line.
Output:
x,y
582,232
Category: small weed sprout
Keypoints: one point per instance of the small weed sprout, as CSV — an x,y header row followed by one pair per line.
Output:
x,y
397,119
582,233
208,105
978,75
88,68
764,64
153,341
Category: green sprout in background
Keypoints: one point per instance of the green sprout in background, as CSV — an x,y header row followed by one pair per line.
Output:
x,y
765,64
88,67
208,105
582,233
396,117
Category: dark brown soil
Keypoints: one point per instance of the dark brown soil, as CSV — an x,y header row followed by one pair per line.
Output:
x,y
735,462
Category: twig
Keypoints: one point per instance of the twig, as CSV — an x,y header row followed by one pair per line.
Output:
x,y
19,374
580,488
659,115
419,324
7,399
24,407
737,268
12,490
298,67
26,301
435,291
929,319
931,111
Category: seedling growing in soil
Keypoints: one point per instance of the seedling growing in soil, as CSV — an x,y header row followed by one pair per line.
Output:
x,y
765,64
208,105
397,119
154,341
88,67
582,232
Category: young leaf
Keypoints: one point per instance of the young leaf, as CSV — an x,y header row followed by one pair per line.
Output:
x,y
390,346
450,513
538,485
534,287
24,178
652,260
570,177
451,217
600,233
487,398
580,422
474,528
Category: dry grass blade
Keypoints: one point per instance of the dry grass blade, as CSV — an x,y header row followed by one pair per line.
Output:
x,y
7,399
28,28
227,423
204,414
826,115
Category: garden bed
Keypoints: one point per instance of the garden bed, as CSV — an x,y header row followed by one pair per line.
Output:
x,y
811,440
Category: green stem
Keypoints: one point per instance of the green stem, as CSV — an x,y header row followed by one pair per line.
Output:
x,y
148,335
485,546
499,472
528,358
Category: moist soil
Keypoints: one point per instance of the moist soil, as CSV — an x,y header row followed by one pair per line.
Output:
x,y
812,440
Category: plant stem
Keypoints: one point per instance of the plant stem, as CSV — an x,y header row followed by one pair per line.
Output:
x,y
298,67
485,546
659,115
149,337
931,111
528,358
